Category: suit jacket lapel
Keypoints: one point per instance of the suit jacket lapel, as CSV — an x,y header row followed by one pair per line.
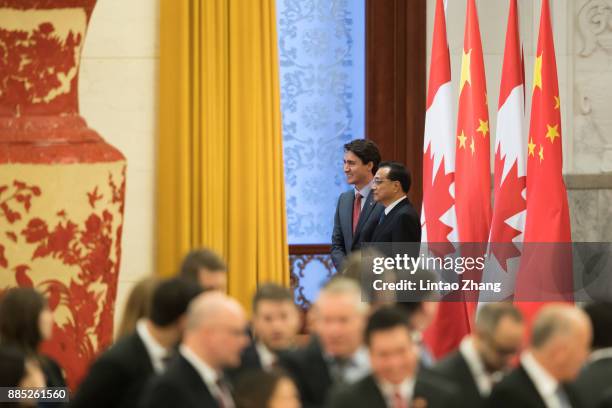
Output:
x,y
365,213
346,215
372,395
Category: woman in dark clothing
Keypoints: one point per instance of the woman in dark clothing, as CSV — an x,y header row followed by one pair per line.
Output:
x,y
17,370
25,321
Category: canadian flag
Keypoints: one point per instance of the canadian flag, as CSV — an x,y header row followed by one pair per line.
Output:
x,y
438,219
510,183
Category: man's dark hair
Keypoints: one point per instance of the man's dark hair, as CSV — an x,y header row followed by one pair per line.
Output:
x,y
600,314
366,150
271,292
202,258
171,299
255,387
383,319
398,172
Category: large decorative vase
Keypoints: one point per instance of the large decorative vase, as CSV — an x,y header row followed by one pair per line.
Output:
x,y
62,187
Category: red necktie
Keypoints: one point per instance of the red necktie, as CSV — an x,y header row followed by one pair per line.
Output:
x,y
398,401
356,211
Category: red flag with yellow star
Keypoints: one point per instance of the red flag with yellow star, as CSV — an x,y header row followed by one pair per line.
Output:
x,y
473,168
545,266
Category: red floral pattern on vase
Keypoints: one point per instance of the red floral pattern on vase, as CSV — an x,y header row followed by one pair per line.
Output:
x,y
69,248
88,247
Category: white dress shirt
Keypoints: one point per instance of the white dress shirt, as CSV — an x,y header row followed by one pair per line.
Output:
x,y
393,204
365,191
545,384
157,352
209,375
355,368
267,358
600,354
388,390
482,378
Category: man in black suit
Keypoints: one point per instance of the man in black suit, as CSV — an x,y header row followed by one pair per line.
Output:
x,y
559,346
215,335
275,323
336,353
594,381
399,222
484,355
356,211
394,381
119,376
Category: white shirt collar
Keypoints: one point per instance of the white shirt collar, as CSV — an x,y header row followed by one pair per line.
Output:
x,y
600,354
482,378
365,191
545,383
156,351
266,356
405,388
209,375
393,204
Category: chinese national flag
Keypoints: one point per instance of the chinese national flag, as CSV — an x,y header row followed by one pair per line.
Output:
x,y
438,219
473,168
545,266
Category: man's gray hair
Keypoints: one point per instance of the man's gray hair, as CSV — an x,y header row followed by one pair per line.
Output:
x,y
554,320
490,314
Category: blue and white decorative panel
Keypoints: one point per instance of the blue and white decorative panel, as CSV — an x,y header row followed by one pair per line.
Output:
x,y
322,77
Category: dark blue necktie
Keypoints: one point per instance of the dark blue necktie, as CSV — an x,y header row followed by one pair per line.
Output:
x,y
382,217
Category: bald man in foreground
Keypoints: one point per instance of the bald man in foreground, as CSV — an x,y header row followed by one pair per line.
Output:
x,y
214,338
560,342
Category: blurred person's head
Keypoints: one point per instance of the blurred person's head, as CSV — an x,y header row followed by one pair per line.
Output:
x,y
276,319
423,307
600,314
205,267
19,370
560,340
216,330
361,159
169,303
498,335
25,319
340,317
391,182
393,355
137,306
266,389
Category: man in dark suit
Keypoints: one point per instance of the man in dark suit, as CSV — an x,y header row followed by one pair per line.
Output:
x,y
275,324
356,211
484,355
215,335
399,222
119,375
394,381
594,380
336,353
559,346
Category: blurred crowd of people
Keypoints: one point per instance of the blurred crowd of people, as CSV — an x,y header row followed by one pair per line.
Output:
x,y
182,342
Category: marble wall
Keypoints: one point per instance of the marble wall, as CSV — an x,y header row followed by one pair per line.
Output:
x,y
118,98
583,43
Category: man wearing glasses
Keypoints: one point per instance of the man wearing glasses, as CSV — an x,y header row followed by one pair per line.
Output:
x,y
399,222
486,354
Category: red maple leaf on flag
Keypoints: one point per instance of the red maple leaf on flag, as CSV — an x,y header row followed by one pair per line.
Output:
x,y
436,202
510,190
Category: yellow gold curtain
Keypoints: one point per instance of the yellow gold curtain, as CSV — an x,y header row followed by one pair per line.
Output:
x,y
220,178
